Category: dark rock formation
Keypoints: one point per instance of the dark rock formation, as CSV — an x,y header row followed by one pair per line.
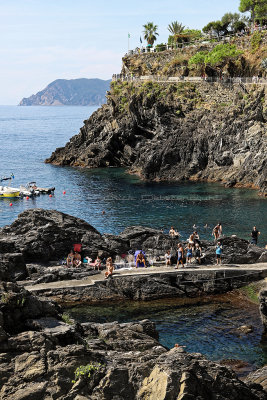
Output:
x,y
263,306
41,357
184,131
73,92
151,286
48,235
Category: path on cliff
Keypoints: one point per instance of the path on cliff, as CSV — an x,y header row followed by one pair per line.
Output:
x,y
91,280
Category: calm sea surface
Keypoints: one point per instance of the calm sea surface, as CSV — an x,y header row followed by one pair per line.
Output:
x,y
30,134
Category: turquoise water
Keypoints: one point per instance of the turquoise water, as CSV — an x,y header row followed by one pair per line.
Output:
x,y
209,327
30,134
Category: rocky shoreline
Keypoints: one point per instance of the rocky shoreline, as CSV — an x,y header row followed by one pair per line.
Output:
x,y
44,357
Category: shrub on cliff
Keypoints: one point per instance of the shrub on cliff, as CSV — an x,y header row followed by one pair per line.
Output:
x,y
219,54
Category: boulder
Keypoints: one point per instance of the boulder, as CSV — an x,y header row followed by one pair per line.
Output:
x,y
43,357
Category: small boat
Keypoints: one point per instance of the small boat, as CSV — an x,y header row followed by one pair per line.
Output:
x,y
40,190
6,191
25,192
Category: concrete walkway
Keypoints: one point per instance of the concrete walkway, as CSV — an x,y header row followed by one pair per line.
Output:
x,y
91,280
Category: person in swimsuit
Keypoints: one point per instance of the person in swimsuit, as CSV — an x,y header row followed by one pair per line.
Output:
x,y
77,260
215,231
168,258
173,233
198,253
70,259
140,261
180,253
219,253
189,254
109,268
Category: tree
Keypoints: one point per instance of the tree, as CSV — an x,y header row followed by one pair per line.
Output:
x,y
175,28
257,8
216,26
234,22
150,33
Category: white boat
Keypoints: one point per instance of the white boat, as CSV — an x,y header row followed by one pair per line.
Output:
x,y
7,192
24,191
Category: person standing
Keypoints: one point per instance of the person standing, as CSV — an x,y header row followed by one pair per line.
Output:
x,y
219,253
180,253
254,235
189,254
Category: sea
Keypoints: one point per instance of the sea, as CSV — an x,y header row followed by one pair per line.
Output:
x,y
30,134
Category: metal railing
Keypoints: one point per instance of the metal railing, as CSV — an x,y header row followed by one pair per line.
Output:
x,y
170,79
212,40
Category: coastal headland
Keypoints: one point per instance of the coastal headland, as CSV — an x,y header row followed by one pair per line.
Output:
x,y
162,123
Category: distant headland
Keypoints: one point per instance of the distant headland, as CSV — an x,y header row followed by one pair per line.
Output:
x,y
72,92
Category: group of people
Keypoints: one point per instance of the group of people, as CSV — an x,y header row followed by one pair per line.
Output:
x,y
74,259
193,248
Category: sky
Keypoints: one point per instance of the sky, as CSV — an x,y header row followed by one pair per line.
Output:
x,y
45,40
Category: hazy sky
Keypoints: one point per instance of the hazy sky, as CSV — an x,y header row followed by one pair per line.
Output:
x,y
43,40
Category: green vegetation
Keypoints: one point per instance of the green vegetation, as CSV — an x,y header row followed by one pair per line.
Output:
x,y
175,28
230,22
67,319
257,8
174,92
219,54
255,41
150,33
86,371
251,291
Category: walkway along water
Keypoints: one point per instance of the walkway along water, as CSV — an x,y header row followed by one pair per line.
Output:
x,y
152,283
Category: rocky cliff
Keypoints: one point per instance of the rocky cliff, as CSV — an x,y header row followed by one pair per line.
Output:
x,y
73,92
42,357
183,131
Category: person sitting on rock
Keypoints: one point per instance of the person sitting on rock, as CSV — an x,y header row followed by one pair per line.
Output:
x,y
140,261
219,253
96,264
77,260
173,233
109,268
70,259
168,258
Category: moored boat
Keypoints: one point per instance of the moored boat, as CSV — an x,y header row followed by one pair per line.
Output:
x,y
6,191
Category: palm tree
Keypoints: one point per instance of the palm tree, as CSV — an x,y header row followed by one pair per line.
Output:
x,y
150,33
175,28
